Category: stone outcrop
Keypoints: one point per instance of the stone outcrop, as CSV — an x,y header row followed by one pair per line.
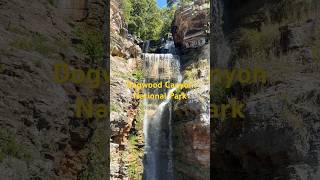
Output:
x,y
75,9
40,136
121,121
124,48
295,36
191,125
116,17
121,44
125,110
191,24
90,11
299,37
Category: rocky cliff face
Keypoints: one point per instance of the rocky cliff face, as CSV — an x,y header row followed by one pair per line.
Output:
x,y
90,11
40,136
191,126
191,25
278,138
126,147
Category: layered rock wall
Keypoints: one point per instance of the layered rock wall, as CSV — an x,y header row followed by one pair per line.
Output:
x,y
126,116
278,138
90,11
40,136
191,126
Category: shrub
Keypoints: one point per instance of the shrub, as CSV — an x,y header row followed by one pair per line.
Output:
x,y
218,93
114,108
41,46
259,43
36,43
97,165
140,117
23,44
91,42
135,168
9,146
138,75
51,2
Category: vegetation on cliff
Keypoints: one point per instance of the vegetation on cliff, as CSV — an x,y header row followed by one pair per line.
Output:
x,y
281,37
277,38
170,3
146,20
91,41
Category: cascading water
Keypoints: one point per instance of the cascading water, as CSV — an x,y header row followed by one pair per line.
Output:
x,y
157,120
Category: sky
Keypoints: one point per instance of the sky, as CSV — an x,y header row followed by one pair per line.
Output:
x,y
161,3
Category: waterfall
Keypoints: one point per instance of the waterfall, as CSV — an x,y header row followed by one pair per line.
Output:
x,y
157,125
145,46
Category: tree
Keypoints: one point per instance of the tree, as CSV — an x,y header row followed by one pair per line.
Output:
x,y
146,20
167,16
126,7
170,3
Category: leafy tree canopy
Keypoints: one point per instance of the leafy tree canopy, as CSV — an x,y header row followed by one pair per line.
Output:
x,y
146,20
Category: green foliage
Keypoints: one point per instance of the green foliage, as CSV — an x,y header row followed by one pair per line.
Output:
x,y
62,44
316,46
126,6
185,2
9,146
133,139
135,166
36,43
15,29
167,17
97,165
191,74
259,43
218,93
41,46
91,41
170,3
135,154
51,2
22,44
138,75
178,91
114,108
146,20
140,117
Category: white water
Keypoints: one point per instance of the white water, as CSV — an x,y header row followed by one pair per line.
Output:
x,y
157,126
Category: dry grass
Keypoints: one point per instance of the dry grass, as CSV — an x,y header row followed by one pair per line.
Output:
x,y
280,68
257,43
261,49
